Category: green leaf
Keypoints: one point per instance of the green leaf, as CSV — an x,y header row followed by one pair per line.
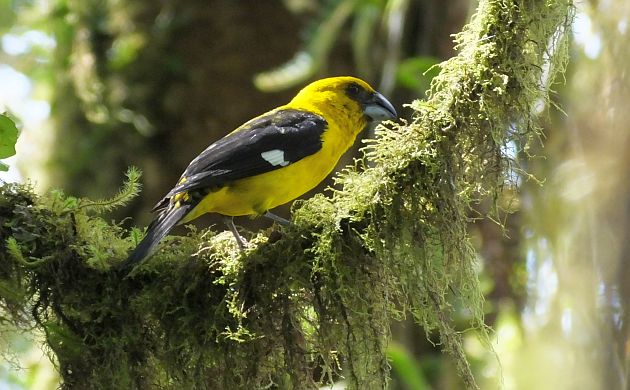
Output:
x,y
407,368
125,50
416,73
8,136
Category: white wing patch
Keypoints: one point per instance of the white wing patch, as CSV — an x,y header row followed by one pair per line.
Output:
x,y
275,157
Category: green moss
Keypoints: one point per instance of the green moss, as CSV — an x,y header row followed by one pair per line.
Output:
x,y
311,303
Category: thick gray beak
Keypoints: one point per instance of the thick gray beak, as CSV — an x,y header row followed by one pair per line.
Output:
x,y
379,109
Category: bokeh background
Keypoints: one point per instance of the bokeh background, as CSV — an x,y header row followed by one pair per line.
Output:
x,y
99,85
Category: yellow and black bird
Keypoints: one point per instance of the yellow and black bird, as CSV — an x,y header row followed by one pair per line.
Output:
x,y
271,159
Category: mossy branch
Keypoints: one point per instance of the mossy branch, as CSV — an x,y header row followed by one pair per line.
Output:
x,y
313,302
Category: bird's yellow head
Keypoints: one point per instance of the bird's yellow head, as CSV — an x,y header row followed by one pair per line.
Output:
x,y
349,100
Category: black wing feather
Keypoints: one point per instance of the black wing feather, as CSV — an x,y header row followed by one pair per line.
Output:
x,y
238,155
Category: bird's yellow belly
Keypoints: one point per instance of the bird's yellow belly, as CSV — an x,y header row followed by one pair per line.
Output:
x,y
257,194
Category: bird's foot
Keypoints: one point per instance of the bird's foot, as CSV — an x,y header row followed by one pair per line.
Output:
x,y
277,218
242,243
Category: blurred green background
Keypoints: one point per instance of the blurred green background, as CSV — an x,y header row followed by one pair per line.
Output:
x,y
98,85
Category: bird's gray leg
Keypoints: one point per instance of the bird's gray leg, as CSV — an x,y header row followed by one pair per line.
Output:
x,y
229,221
277,218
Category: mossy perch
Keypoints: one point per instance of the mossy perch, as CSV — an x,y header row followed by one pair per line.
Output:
x,y
320,295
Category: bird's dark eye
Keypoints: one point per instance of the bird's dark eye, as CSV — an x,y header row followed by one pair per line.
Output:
x,y
353,90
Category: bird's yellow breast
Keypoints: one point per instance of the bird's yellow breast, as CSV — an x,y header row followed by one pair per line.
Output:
x,y
257,194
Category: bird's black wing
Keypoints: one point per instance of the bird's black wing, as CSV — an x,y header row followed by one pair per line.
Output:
x,y
261,145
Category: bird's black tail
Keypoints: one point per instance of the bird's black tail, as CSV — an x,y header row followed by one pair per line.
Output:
x,y
159,228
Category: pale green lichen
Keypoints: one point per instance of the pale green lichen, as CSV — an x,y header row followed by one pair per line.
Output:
x,y
312,303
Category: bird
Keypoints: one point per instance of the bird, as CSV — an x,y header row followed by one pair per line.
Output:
x,y
270,160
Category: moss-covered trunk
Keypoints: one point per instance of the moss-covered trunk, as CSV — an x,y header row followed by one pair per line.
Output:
x,y
312,302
